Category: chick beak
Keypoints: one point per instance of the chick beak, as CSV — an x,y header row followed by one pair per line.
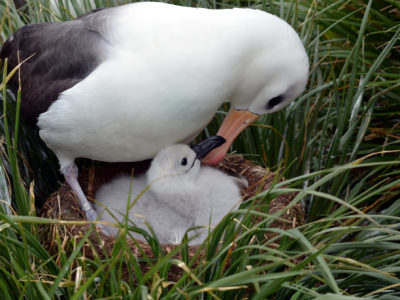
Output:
x,y
234,123
203,148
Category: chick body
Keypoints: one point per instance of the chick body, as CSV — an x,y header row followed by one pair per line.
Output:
x,y
181,194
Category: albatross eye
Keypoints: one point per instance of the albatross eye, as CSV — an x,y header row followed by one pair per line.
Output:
x,y
184,161
274,102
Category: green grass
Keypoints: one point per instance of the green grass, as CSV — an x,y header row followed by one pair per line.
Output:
x,y
338,146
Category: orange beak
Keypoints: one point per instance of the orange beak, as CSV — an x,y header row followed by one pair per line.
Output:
x,y
234,123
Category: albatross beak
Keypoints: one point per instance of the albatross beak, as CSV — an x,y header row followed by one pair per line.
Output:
x,y
234,123
203,148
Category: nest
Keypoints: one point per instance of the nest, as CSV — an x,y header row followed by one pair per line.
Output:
x,y
63,205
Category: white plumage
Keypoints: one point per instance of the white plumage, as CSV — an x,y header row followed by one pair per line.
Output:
x,y
165,72
179,197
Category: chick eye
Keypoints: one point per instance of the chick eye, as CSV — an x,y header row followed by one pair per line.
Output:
x,y
184,161
274,102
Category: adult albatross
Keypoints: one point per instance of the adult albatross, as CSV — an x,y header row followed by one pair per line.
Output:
x,y
121,83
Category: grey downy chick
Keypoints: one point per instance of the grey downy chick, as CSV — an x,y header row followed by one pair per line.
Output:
x,y
182,194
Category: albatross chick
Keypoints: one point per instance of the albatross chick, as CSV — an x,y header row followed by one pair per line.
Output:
x,y
181,195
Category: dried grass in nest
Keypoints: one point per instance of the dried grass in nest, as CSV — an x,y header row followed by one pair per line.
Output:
x,y
63,205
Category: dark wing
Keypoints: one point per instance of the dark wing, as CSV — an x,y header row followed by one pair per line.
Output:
x,y
63,54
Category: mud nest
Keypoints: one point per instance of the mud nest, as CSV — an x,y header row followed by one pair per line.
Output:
x,y
63,205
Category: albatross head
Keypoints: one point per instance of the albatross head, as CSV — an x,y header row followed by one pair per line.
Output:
x,y
274,77
181,160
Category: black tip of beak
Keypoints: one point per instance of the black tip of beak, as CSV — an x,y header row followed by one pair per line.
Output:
x,y
203,148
